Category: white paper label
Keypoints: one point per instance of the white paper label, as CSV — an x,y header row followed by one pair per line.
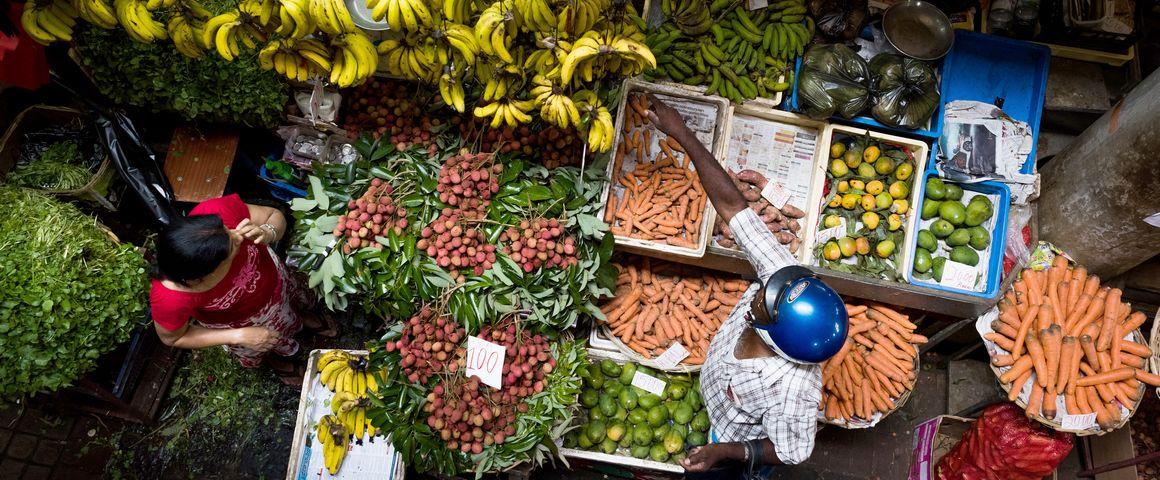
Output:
x,y
776,194
1153,219
1079,422
756,4
671,357
649,383
833,232
485,360
958,275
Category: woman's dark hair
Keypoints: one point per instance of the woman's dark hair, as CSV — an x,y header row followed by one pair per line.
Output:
x,y
190,248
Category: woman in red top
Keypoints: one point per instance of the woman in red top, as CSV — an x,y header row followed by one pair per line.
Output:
x,y
216,268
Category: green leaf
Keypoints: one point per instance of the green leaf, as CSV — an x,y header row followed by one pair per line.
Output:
x,y
319,193
303,204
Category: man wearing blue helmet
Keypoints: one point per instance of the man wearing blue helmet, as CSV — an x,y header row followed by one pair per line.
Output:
x,y
761,381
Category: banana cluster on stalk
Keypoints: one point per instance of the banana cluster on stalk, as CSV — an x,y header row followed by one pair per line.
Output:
x,y
600,126
413,56
296,59
49,21
355,59
496,28
343,372
96,12
295,19
507,112
595,54
334,439
331,16
556,107
229,32
402,15
138,21
741,56
351,410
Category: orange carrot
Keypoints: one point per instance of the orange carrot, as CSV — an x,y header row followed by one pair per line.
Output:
x,y
1002,361
1049,408
1136,349
1094,310
1052,342
1035,401
1024,327
1116,375
1135,319
1077,312
1035,349
1003,342
1083,344
1068,349
1022,365
1004,329
1053,295
1149,378
1111,311
1017,386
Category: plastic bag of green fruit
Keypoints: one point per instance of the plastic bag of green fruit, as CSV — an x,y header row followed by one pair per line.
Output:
x,y
617,418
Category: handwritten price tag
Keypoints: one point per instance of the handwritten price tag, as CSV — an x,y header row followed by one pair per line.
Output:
x,y
776,194
958,275
485,360
756,4
833,232
671,357
649,383
1079,422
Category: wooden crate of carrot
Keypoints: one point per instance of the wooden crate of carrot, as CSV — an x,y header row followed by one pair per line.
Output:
x,y
1074,344
656,195
658,303
874,372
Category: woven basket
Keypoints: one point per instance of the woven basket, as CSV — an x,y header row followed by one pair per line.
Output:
x,y
1154,361
898,403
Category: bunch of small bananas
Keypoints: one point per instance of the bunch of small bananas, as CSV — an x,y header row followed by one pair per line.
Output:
x,y
49,21
355,59
693,17
343,372
402,15
185,30
334,439
537,15
556,107
451,90
575,18
295,19
507,112
460,38
458,11
331,16
351,410
296,59
595,53
96,12
225,31
599,125
413,56
496,28
138,21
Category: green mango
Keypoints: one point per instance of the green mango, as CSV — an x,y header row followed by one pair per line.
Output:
x,y
607,405
640,451
922,260
953,212
648,400
583,442
596,431
595,380
626,439
657,416
696,439
660,432
935,189
693,398
930,208
673,442
937,267
683,414
608,446
609,368
977,213
616,431
595,414
953,192
676,391
926,240
626,373
589,398
941,228
965,255
959,237
637,416
657,453
571,439
700,421
613,388
980,238
642,435
628,398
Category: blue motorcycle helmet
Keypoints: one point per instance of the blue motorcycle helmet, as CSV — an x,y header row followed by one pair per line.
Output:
x,y
799,317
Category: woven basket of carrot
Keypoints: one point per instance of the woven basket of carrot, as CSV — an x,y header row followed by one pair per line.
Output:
x,y
1068,350
874,372
658,304
1154,361
655,199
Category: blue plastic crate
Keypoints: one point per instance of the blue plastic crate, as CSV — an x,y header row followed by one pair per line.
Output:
x,y
279,188
994,261
1006,72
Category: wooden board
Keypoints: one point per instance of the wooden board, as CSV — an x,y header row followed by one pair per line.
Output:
x,y
198,162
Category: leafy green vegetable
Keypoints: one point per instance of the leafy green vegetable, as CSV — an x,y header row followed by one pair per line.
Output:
x,y
68,293
156,77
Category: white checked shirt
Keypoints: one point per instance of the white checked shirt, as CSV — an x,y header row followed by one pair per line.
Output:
x,y
760,397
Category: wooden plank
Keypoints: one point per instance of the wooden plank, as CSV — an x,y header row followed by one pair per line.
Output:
x,y
198,162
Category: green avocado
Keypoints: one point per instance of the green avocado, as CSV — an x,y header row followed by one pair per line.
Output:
x,y
965,255
609,368
960,236
941,228
936,266
921,260
980,238
926,240
930,208
954,192
935,189
953,212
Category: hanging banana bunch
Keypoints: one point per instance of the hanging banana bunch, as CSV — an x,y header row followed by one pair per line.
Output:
x,y
185,28
507,112
355,59
296,59
547,59
495,30
138,21
406,16
458,11
599,125
414,56
451,90
556,107
295,18
331,16
596,54
536,15
49,21
96,12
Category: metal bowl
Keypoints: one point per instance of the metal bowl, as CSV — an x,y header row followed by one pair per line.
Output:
x,y
361,15
918,29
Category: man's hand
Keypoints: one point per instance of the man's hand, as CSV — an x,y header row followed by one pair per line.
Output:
x,y
666,118
703,458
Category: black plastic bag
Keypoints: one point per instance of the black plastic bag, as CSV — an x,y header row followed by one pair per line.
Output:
x,y
905,91
839,20
834,81
136,163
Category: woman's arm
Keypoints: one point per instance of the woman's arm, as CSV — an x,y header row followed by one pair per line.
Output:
x,y
193,336
255,228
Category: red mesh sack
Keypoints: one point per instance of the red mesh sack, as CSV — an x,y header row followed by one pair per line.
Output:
x,y
1004,445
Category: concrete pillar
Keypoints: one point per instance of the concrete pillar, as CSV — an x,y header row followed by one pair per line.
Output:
x,y
1096,193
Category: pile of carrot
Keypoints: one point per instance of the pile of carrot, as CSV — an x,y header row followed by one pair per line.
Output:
x,y
875,366
660,199
657,303
1065,334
